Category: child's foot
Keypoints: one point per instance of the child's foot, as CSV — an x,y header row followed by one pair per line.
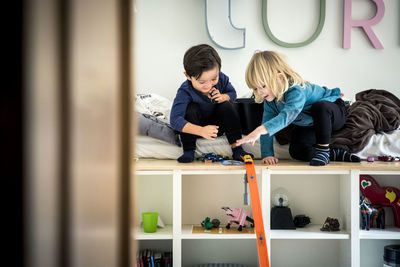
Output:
x,y
238,153
339,154
187,156
321,157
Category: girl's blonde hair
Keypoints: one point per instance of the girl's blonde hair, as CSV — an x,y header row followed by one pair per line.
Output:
x,y
265,68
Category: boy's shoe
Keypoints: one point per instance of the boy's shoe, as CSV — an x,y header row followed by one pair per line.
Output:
x,y
187,156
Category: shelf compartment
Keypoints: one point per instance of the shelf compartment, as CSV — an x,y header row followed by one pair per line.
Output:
x,y
318,197
327,253
372,251
219,251
390,231
154,245
155,195
162,233
308,232
205,195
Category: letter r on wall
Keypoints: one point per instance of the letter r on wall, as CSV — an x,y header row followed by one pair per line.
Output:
x,y
364,24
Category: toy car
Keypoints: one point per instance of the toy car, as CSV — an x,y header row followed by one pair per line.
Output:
x,y
212,157
247,159
385,158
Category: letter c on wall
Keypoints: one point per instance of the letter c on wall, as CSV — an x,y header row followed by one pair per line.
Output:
x,y
219,25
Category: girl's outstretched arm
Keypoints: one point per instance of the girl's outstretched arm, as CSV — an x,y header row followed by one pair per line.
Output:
x,y
253,136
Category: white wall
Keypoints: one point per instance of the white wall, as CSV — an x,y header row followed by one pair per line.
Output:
x,y
164,30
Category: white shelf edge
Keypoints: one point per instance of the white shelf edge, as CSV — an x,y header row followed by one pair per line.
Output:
x,y
392,233
187,234
308,232
161,234
221,172
310,172
153,172
380,172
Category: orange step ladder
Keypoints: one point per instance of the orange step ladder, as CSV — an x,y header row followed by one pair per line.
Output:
x,y
257,214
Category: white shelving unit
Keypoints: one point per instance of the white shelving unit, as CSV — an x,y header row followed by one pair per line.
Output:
x,y
184,194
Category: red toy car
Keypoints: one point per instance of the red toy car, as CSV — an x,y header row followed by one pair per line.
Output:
x,y
385,158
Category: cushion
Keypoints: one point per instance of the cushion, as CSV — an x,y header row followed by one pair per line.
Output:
x,y
150,125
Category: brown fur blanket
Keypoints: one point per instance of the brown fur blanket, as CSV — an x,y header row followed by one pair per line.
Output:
x,y
373,111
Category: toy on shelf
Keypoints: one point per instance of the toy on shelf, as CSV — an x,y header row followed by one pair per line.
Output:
x,y
387,196
370,159
212,157
331,224
301,220
281,215
385,158
369,213
208,224
239,216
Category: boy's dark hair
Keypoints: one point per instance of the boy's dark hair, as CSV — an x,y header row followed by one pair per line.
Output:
x,y
200,58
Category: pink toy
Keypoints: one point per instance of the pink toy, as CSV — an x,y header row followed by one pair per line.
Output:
x,y
239,216
387,196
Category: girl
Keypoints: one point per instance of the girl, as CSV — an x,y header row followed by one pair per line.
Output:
x,y
314,110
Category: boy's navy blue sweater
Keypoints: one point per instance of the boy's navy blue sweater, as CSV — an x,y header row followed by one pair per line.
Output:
x,y
187,94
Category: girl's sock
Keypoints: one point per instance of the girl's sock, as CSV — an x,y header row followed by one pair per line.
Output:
x,y
187,156
321,157
238,153
339,154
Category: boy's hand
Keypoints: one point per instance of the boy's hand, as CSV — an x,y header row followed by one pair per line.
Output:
x,y
209,132
253,136
217,96
270,160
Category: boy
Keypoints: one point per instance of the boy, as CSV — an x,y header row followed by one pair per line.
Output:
x,y
202,106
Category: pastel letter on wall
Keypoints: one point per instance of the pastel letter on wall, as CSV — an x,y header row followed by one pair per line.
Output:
x,y
321,22
219,25
364,24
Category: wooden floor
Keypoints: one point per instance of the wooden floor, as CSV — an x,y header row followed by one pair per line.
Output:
x,y
166,165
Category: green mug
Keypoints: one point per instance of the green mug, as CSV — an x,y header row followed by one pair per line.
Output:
x,y
150,220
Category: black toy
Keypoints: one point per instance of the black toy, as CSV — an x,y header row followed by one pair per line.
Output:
x,y
369,213
301,220
281,215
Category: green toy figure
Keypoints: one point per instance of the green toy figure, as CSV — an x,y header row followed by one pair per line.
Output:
x,y
208,225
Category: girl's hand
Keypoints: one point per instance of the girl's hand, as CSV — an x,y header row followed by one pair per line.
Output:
x,y
253,136
209,132
270,160
217,96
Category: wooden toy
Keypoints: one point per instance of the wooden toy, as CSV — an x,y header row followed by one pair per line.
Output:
x,y
387,196
369,213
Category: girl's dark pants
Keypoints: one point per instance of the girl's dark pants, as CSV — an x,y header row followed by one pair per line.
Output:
x,y
225,116
328,117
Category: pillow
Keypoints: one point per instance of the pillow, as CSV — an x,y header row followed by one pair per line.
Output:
x,y
150,125
153,104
